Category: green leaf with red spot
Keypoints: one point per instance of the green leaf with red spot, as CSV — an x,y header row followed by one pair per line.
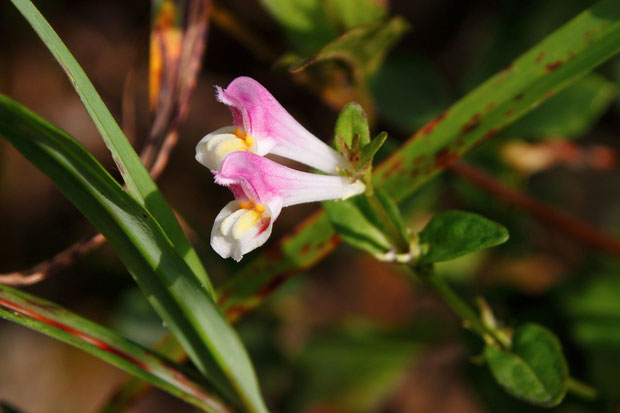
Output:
x,y
351,127
48,318
570,113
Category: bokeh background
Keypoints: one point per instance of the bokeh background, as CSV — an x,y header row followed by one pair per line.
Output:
x,y
351,334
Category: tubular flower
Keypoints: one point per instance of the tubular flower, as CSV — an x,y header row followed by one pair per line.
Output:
x,y
262,126
262,188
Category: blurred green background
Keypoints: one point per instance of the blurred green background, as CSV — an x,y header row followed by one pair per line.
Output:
x,y
351,334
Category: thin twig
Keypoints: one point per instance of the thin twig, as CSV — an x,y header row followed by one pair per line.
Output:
x,y
61,260
559,220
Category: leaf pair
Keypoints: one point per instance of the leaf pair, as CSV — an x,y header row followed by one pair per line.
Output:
x,y
352,139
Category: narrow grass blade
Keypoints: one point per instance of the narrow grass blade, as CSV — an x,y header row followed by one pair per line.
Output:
x,y
132,387
164,277
135,175
48,318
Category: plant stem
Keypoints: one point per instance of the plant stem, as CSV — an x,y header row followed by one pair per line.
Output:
x,y
581,389
458,305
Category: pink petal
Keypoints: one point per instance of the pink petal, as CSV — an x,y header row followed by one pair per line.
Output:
x,y
277,132
277,186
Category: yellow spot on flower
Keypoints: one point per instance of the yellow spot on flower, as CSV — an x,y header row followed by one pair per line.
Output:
x,y
247,140
253,212
245,222
228,146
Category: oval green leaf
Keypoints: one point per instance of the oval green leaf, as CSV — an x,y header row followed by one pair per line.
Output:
x,y
535,369
453,234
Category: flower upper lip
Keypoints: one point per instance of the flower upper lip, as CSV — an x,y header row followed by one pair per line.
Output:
x,y
263,118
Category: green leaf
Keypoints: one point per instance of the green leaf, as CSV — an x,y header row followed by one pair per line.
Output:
x,y
535,369
135,175
362,48
306,23
311,24
48,318
452,234
132,387
370,150
351,13
516,29
164,277
570,113
357,225
352,123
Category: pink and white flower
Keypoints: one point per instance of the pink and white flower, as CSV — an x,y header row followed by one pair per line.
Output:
x,y
262,188
263,126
